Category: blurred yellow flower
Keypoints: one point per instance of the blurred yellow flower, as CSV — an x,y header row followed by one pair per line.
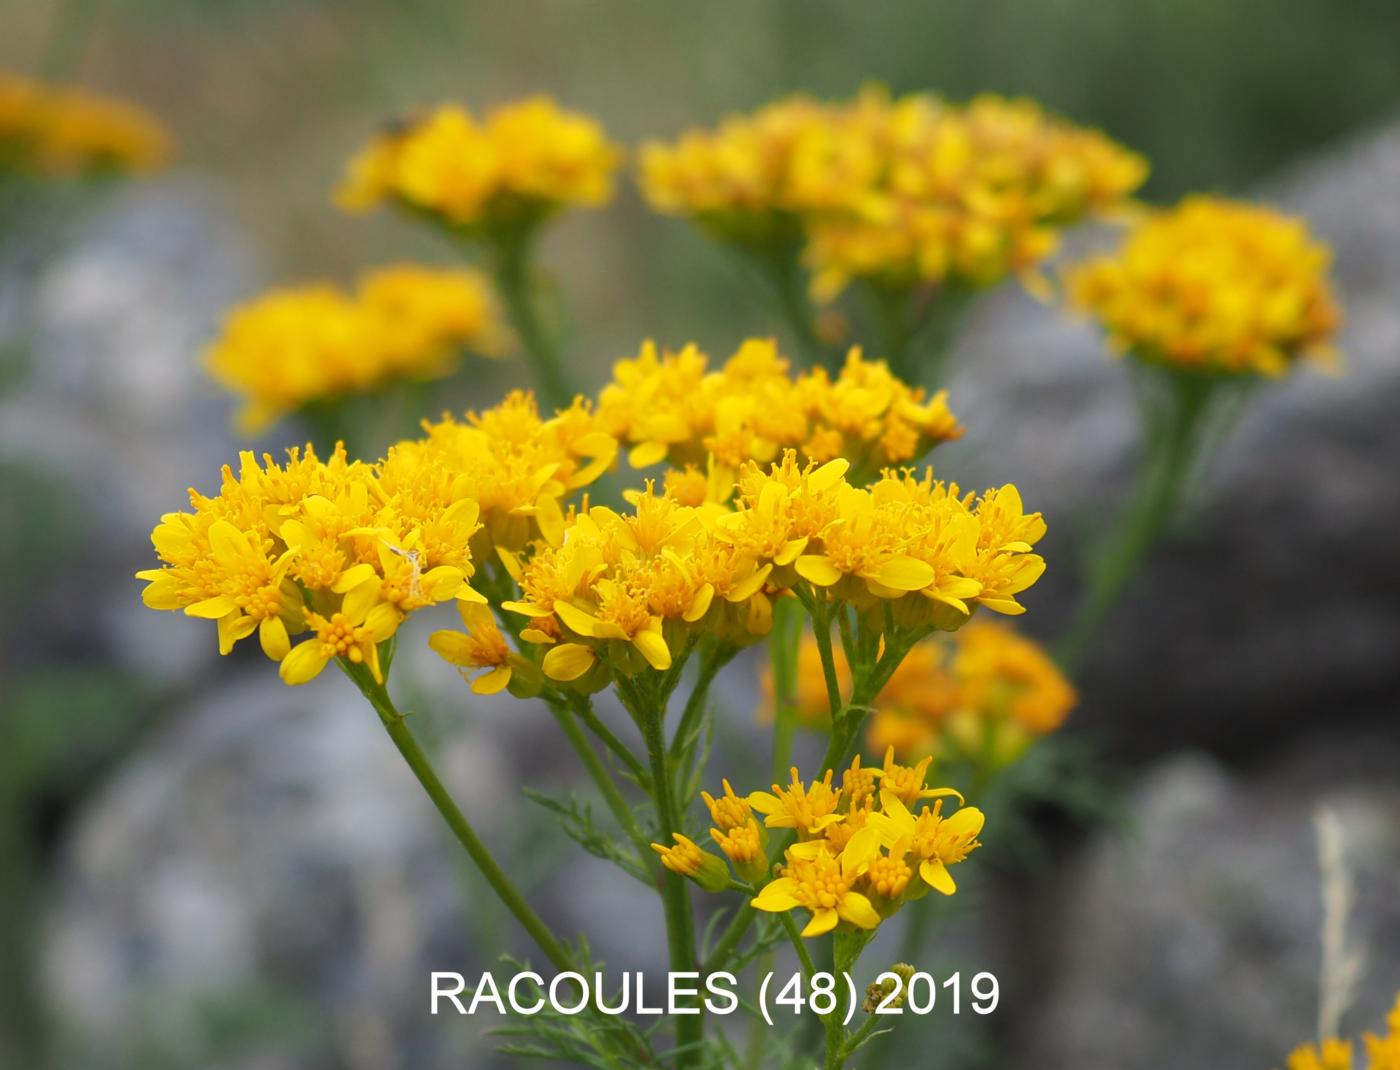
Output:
x,y
897,191
315,343
984,692
516,164
63,130
1214,286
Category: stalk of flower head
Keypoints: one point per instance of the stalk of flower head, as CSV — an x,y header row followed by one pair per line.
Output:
x,y
1206,301
917,203
491,184
562,597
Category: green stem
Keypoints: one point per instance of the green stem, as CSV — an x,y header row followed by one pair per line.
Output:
x,y
510,265
714,660
675,893
607,787
1174,422
422,768
784,644
789,282
583,709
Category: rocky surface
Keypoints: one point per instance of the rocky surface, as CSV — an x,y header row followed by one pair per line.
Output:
x,y
1194,941
1278,598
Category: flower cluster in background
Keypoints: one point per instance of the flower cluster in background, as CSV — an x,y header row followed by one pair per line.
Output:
x,y
1382,1050
898,191
1215,286
516,163
982,694
59,131
316,343
672,407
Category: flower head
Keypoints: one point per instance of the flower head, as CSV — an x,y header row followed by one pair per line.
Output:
x,y
62,130
862,854
315,343
515,165
1213,286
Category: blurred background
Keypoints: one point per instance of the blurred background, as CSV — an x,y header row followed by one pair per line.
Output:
x,y
200,867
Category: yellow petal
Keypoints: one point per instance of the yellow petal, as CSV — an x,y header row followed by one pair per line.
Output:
x,y
937,877
776,896
493,681
576,619
353,577
646,454
450,646
856,909
568,661
828,475
700,604
304,663
213,608
966,822
653,648
823,921
272,633
904,574
818,569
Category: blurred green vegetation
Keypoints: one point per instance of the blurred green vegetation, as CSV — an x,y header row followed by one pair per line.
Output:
x,y
268,97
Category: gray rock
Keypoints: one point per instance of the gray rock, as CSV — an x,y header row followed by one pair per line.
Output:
x,y
1194,941
1282,594
115,414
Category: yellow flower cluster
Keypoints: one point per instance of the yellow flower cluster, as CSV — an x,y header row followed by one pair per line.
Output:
x,y
619,592
345,550
62,130
1214,286
863,849
902,192
517,163
312,343
671,407
985,693
1382,1051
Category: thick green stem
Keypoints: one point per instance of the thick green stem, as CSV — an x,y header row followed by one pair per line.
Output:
x,y
784,644
510,265
603,780
422,768
1175,420
675,893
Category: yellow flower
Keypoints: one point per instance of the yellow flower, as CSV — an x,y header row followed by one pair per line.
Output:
x,y
1214,286
63,130
686,858
935,841
901,192
806,808
290,348
1331,1055
482,646
671,407
821,884
858,850
353,632
515,165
